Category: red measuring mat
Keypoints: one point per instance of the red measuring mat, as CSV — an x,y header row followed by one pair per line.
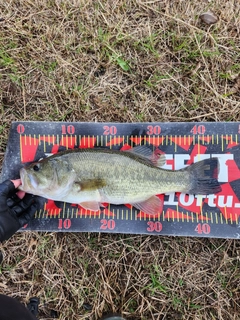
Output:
x,y
213,215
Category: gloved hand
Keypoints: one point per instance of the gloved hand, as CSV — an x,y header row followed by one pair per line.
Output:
x,y
14,212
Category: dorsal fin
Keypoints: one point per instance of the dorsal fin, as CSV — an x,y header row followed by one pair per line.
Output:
x,y
144,152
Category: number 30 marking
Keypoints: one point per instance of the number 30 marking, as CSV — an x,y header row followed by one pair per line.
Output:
x,y
154,226
153,130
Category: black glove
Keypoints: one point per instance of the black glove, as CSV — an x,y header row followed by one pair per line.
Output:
x,y
14,212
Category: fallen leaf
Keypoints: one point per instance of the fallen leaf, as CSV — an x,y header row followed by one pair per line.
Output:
x,y
209,17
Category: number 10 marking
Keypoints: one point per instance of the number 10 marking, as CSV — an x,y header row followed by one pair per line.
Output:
x,y
64,224
68,129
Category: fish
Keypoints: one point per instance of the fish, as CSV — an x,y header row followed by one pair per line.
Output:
x,y
91,177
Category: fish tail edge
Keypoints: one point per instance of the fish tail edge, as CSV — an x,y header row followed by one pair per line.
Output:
x,y
204,177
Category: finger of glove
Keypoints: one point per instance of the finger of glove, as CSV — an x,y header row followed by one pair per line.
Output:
x,y
28,215
13,200
6,189
23,205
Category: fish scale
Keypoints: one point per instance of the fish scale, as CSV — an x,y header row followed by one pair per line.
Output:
x,y
215,215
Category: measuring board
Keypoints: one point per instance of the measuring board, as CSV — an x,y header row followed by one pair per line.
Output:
x,y
183,143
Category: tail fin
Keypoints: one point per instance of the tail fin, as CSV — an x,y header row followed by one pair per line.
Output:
x,y
204,176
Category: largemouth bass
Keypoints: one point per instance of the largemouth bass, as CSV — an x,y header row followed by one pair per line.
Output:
x,y
90,177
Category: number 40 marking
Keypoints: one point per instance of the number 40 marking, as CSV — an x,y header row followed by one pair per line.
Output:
x,y
198,129
203,228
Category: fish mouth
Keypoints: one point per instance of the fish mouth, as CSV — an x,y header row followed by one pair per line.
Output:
x,y
22,175
29,182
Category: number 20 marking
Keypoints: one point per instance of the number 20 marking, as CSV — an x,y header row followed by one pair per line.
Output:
x,y
112,130
107,224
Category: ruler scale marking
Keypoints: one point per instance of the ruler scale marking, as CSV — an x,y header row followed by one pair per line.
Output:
x,y
176,141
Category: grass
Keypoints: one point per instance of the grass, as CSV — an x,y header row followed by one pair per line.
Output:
x,y
120,61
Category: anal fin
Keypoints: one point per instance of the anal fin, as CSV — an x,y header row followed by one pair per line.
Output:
x,y
90,205
151,206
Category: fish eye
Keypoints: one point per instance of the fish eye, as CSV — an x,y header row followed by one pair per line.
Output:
x,y
36,167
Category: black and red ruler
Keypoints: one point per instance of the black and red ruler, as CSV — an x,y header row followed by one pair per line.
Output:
x,y
183,143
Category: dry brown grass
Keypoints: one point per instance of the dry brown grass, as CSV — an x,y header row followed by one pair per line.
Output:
x,y
144,277
120,61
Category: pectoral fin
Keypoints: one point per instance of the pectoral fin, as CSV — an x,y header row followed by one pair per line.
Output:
x,y
152,206
91,184
90,205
